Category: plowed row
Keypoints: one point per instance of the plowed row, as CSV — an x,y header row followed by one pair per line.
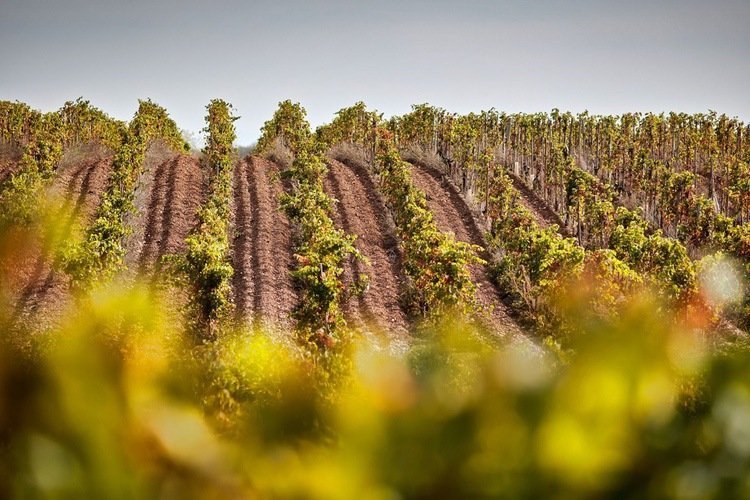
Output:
x,y
42,293
453,214
360,211
174,194
262,246
543,215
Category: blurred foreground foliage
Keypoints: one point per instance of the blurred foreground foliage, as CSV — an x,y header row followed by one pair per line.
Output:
x,y
118,402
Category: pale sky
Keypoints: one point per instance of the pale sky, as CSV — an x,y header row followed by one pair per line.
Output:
x,y
607,57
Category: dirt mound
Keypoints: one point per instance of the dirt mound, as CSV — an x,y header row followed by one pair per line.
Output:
x,y
10,158
175,195
362,212
44,293
452,214
261,247
542,213
8,167
157,155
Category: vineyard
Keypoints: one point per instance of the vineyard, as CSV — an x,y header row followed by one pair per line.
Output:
x,y
430,305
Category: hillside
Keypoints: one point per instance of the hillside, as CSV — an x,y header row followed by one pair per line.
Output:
x,y
440,305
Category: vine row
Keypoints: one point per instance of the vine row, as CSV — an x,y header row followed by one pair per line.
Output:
x,y
205,267
436,265
473,144
321,250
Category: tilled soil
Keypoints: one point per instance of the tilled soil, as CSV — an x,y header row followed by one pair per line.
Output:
x,y
262,255
8,167
171,192
168,196
175,195
43,293
543,215
157,155
452,214
361,211
10,161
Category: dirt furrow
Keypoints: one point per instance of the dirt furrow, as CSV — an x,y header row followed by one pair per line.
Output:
x,y
44,292
262,248
167,198
10,161
543,215
175,201
242,283
154,213
354,308
361,211
452,214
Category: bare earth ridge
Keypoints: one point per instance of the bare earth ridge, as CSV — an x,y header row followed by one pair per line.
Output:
x,y
262,246
361,211
453,214
78,185
174,197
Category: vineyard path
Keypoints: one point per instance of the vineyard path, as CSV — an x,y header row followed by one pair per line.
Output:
x,y
78,184
361,211
262,257
173,195
543,214
452,214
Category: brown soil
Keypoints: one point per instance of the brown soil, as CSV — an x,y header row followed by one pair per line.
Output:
x,y
8,167
542,213
453,214
175,195
157,155
10,158
262,246
167,198
360,211
44,293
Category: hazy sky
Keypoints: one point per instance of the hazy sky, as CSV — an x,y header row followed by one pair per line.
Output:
x,y
607,57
